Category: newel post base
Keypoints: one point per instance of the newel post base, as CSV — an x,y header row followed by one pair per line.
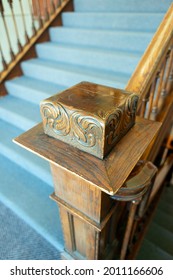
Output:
x,y
92,138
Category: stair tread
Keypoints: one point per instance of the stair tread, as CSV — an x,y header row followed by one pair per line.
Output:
x,y
150,251
113,20
121,5
89,57
28,197
108,39
160,237
24,87
23,158
68,75
166,207
163,219
90,49
21,113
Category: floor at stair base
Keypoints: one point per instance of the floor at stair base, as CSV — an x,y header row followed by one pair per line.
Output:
x,y
21,242
28,197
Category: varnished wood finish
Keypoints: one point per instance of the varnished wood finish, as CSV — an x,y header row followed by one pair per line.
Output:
x,y
94,226
28,52
153,57
89,116
108,174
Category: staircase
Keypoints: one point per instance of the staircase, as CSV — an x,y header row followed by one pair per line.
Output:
x,y
158,242
101,42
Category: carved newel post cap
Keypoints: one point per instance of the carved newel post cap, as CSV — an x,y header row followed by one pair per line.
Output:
x,y
90,117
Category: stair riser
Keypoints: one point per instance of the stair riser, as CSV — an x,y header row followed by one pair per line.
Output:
x,y
113,21
103,61
121,6
133,42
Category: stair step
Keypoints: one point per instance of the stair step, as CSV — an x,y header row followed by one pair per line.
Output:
x,y
111,40
164,220
121,6
25,159
89,57
113,21
28,197
166,207
31,89
29,245
18,112
160,237
150,251
69,75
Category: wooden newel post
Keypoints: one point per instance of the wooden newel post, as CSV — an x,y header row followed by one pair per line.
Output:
x,y
92,140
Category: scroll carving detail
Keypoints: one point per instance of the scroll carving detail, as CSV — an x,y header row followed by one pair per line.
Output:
x,y
85,129
56,118
121,120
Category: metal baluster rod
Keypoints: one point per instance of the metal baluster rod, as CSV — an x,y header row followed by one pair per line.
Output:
x,y
12,56
15,25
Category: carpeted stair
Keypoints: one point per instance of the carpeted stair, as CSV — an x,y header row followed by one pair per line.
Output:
x,y
101,42
158,242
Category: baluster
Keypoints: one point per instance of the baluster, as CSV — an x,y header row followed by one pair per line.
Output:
x,y
151,97
160,86
132,212
3,59
59,3
144,105
46,12
53,7
12,56
39,14
34,31
154,110
15,25
24,23
170,75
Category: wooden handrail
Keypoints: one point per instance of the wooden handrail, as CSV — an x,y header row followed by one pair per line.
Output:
x,y
153,57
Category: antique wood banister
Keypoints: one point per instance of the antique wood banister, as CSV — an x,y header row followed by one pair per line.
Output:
x,y
153,57
89,166
136,190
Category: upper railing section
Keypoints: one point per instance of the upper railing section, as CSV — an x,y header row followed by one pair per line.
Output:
x,y
22,23
153,77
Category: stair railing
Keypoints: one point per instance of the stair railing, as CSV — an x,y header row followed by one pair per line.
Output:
x,y
153,77
22,24
153,81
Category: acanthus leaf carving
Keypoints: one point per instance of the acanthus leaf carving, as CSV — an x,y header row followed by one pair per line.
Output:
x,y
56,118
86,129
121,120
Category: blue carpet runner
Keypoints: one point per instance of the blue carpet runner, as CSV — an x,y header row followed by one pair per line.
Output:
x,y
28,245
101,42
